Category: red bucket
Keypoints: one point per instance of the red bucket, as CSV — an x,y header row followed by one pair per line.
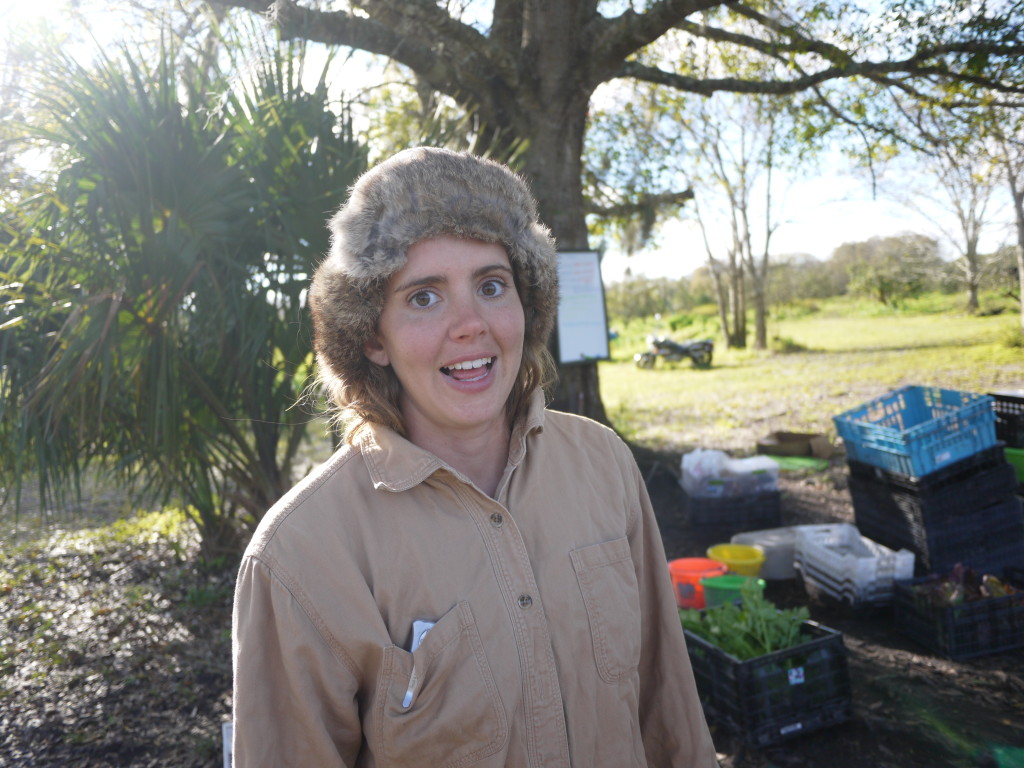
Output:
x,y
686,573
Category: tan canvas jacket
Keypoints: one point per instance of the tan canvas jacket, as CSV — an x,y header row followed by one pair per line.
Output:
x,y
556,639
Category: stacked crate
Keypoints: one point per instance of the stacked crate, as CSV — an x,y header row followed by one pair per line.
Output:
x,y
927,474
1009,408
964,513
839,561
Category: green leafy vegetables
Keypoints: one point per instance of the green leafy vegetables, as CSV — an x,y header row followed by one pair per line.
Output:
x,y
749,630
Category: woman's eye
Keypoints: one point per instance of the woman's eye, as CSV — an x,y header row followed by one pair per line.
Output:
x,y
423,299
492,288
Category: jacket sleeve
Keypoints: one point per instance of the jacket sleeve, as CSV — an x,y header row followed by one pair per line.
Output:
x,y
671,718
294,690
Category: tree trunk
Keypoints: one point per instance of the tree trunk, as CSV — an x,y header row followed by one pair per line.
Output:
x,y
759,288
738,301
972,298
972,274
760,319
553,162
723,300
1018,208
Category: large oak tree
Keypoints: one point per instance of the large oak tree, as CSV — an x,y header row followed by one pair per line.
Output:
x,y
528,69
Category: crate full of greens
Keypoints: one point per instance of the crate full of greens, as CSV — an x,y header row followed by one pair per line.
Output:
x,y
964,613
765,674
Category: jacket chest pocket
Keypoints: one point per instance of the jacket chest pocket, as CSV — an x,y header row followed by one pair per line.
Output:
x,y
438,706
610,593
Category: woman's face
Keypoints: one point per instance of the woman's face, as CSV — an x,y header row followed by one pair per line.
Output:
x,y
452,329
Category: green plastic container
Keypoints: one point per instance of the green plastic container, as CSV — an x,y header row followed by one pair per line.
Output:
x,y
726,589
1015,456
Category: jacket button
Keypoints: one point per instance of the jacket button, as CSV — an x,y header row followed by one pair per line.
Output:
x,y
497,519
525,601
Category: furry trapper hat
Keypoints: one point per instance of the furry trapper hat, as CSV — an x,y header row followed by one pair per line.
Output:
x,y
415,195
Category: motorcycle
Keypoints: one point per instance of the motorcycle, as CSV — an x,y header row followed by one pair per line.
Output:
x,y
670,351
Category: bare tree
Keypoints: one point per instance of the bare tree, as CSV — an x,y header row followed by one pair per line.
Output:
x,y
1009,158
727,279
959,182
969,191
736,154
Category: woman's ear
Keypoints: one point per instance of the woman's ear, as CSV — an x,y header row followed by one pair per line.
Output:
x,y
375,352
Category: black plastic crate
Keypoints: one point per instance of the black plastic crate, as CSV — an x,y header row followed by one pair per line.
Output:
x,y
750,512
980,480
776,696
975,628
956,499
990,538
931,514
1009,418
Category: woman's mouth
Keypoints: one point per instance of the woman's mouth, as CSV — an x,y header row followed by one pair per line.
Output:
x,y
470,370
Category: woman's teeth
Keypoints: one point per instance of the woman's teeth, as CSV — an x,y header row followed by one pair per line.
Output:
x,y
469,365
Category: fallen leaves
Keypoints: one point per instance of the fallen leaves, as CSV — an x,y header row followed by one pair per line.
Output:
x,y
114,650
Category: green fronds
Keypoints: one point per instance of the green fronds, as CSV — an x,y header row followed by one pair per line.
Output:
x,y
153,286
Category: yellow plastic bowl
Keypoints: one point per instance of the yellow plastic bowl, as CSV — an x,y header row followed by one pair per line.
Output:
x,y
743,559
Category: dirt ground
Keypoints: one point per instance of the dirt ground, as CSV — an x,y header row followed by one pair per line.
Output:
x,y
115,656
911,709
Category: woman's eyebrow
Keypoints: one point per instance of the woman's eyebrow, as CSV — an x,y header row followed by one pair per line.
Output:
x,y
417,281
492,268
435,279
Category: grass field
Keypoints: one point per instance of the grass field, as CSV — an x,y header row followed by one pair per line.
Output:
x,y
837,356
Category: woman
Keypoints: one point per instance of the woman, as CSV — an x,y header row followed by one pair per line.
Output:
x,y
471,580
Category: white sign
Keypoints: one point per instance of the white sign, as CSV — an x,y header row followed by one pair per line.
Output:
x,y
582,320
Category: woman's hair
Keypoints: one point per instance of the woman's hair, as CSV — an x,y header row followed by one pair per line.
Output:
x,y
416,195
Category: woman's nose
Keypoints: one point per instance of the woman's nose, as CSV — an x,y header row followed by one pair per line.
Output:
x,y
467,320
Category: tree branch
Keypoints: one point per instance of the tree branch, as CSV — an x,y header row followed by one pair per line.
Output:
x,y
448,54
426,21
627,33
294,21
644,203
708,86
774,49
843,65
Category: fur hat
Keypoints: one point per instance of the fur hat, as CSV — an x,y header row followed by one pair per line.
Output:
x,y
415,195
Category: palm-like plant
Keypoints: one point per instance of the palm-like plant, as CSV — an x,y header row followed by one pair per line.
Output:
x,y
154,289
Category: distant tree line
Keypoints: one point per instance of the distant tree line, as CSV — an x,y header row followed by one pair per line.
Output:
x,y
886,269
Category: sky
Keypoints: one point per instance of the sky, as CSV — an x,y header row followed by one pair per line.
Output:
x,y
818,215
14,13
821,214
21,15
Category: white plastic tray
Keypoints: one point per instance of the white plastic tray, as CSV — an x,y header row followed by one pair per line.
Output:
x,y
848,566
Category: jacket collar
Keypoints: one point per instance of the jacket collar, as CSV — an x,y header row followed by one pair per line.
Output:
x,y
395,464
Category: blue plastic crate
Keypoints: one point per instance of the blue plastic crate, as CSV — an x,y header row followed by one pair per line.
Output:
x,y
916,430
